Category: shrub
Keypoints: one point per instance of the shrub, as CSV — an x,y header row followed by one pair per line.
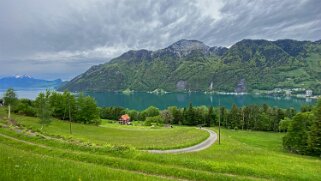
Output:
x,y
158,120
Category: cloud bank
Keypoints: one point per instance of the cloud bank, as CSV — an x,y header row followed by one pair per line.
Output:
x,y
63,38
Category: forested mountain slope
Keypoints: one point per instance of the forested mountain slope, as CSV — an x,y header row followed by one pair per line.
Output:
x,y
192,65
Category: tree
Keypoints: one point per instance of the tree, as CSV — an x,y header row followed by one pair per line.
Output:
x,y
290,112
167,116
234,117
210,116
10,100
151,111
242,120
87,111
223,116
26,107
133,114
70,105
177,114
43,108
189,115
158,120
314,140
296,139
58,105
284,124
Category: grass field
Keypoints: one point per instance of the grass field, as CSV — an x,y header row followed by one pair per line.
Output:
x,y
136,136
243,155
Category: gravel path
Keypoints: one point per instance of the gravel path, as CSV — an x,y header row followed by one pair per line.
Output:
x,y
201,146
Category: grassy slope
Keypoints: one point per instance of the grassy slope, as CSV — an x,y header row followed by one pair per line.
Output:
x,y
17,164
162,138
242,155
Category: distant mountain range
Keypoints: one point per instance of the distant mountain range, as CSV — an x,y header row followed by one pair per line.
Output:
x,y
27,82
191,65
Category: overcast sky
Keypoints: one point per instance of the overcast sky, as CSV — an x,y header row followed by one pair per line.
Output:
x,y
63,38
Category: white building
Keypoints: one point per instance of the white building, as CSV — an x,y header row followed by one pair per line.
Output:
x,y
308,93
288,92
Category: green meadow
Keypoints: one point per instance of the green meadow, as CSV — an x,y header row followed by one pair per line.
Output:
x,y
111,133
114,152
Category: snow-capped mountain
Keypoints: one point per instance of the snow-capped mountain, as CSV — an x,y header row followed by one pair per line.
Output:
x,y
27,82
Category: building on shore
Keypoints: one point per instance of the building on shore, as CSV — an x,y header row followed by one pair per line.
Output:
x,y
288,92
308,93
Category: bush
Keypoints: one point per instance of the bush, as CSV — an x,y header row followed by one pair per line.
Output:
x,y
157,120
25,107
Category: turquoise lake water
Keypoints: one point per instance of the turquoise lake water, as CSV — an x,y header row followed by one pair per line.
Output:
x,y
141,100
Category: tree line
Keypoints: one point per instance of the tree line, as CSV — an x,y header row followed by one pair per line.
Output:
x,y
51,104
252,117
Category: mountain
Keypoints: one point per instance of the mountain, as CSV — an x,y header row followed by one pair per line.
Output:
x,y
26,82
192,65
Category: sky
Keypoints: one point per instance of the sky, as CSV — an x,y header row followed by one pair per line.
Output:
x,y
53,39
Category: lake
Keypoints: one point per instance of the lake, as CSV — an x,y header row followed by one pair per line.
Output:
x,y
141,100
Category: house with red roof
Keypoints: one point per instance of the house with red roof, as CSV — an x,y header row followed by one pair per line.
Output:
x,y
124,119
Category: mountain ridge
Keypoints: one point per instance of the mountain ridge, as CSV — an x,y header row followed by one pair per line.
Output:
x,y
192,65
26,81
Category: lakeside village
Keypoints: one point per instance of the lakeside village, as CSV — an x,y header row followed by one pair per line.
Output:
x,y
240,89
277,92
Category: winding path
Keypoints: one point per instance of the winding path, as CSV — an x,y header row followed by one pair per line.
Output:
x,y
201,146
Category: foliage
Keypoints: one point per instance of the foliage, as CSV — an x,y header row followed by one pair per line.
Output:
x,y
210,117
44,110
304,132
167,117
151,111
314,140
113,113
10,97
154,120
26,107
87,111
64,106
284,124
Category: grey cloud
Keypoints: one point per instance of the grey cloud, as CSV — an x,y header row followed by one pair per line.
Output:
x,y
72,35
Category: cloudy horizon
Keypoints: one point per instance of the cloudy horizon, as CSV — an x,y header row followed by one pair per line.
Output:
x,y
62,39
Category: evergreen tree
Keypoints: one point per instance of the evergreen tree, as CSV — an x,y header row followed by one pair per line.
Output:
x,y
210,117
189,115
234,117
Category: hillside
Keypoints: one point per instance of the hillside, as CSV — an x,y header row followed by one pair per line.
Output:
x,y
112,153
26,82
192,65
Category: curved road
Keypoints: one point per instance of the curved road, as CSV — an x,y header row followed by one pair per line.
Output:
x,y
201,146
